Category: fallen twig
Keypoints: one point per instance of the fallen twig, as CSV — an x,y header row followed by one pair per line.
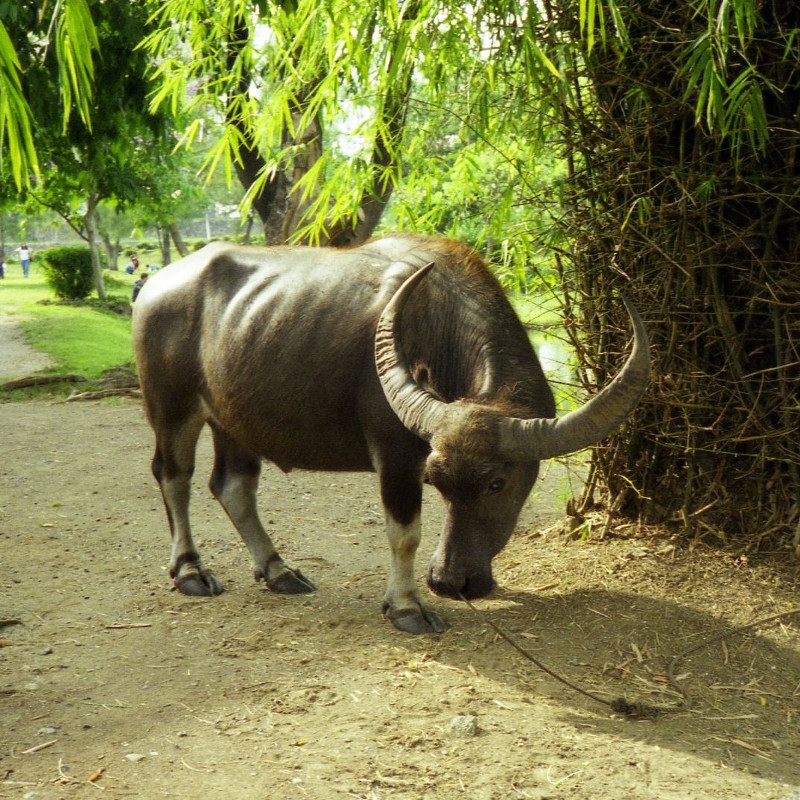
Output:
x,y
38,747
63,776
101,393
119,626
746,745
194,769
40,380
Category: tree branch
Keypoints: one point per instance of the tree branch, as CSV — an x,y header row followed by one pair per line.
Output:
x,y
61,214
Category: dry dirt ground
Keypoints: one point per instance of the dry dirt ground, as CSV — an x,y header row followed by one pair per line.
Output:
x,y
112,685
16,357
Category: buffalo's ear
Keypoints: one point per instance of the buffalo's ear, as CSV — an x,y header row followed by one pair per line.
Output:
x,y
421,375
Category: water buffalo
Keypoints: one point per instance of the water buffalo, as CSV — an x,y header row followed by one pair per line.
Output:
x,y
401,356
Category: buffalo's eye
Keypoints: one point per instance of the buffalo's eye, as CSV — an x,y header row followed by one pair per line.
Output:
x,y
497,485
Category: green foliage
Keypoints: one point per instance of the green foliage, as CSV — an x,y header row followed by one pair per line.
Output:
x,y
76,38
96,139
25,32
15,114
68,271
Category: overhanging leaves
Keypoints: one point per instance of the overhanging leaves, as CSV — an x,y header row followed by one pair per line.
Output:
x,y
15,115
76,38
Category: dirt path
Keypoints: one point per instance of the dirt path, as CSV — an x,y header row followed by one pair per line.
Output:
x,y
110,681
17,358
250,695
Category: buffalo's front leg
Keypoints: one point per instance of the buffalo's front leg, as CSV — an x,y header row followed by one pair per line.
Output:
x,y
173,465
234,482
401,603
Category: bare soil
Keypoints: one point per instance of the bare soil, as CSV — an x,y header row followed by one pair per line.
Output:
x,y
17,358
113,685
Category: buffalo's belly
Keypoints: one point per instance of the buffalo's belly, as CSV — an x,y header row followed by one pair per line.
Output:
x,y
294,438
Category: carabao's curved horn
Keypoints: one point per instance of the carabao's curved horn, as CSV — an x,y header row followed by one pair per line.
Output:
x,y
538,439
417,409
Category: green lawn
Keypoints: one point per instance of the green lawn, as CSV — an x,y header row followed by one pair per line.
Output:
x,y
78,338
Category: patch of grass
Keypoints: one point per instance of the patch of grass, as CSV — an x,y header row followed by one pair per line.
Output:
x,y
16,293
119,282
82,339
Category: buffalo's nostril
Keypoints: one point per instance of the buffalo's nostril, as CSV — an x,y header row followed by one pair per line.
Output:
x,y
472,587
478,586
444,588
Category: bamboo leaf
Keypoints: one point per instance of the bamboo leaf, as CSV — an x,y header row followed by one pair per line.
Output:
x,y
15,115
76,38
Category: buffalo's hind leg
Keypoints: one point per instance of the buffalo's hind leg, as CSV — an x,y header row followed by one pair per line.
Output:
x,y
173,466
234,483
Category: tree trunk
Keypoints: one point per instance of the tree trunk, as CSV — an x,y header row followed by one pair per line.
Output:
x,y
308,150
248,229
177,239
112,250
386,149
92,237
280,207
250,163
163,240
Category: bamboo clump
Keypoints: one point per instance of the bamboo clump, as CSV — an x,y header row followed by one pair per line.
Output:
x,y
701,227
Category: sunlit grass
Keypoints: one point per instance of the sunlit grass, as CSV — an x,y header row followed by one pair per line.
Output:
x,y
78,339
16,292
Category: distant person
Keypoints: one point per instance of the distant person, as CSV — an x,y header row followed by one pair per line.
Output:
x,y
137,287
24,259
2,265
133,265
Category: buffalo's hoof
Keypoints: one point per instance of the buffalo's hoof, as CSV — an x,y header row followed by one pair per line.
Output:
x,y
415,621
291,582
198,584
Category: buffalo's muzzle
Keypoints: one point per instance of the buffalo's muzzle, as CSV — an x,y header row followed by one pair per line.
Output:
x,y
472,586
